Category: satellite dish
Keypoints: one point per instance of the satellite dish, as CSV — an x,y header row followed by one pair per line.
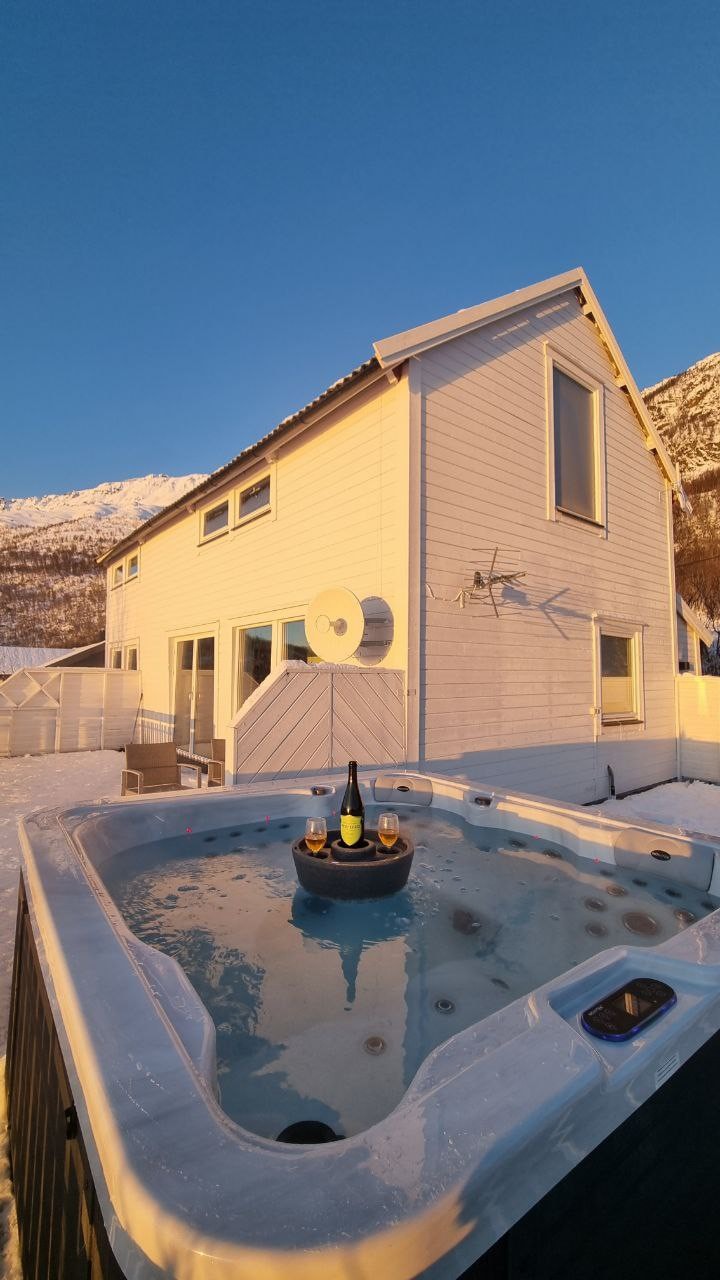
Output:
x,y
334,624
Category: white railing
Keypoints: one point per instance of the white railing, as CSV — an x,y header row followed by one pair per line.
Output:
x,y
699,727
47,709
304,720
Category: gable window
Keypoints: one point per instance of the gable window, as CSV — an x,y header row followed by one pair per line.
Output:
x,y
620,668
117,578
131,658
116,659
576,442
133,566
215,519
255,499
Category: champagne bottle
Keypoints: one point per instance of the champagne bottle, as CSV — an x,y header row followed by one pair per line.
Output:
x,y
352,810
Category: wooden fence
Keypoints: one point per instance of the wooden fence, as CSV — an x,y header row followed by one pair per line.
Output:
x,y
305,720
699,727
48,709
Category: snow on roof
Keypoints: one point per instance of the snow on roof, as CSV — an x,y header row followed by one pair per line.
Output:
x,y
14,657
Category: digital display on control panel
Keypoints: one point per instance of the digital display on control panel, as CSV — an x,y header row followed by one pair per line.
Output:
x,y
626,1002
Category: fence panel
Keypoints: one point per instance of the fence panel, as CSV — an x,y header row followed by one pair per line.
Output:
x,y
304,720
74,709
699,722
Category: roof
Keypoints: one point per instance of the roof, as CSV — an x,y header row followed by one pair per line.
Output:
x,y
402,346
14,657
393,351
349,382
693,620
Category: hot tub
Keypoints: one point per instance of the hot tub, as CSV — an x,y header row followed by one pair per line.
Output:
x,y
196,1003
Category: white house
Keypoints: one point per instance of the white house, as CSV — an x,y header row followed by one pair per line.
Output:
x,y
493,482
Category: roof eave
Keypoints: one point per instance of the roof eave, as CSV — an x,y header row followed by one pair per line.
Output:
x,y
689,616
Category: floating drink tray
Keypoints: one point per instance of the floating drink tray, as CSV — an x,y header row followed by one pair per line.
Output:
x,y
366,870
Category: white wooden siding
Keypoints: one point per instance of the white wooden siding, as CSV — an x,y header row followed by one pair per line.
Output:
x,y
511,700
340,518
306,720
67,709
699,719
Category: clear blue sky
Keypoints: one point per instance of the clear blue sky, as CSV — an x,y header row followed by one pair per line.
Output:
x,y
211,208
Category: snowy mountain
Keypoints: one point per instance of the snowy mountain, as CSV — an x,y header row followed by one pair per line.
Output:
x,y
51,589
130,500
686,410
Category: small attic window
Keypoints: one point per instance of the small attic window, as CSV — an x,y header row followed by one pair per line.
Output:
x,y
255,499
215,519
117,577
133,566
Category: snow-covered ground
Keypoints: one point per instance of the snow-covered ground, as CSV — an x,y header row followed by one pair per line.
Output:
x,y
692,806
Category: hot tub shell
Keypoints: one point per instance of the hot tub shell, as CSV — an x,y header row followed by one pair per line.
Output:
x,y
495,1118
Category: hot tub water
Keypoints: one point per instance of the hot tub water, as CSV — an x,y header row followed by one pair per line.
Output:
x,y
324,1010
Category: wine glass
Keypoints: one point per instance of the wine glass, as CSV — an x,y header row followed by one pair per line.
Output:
x,y
388,829
315,834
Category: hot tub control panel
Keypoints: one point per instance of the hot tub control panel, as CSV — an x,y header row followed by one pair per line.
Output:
x,y
628,1010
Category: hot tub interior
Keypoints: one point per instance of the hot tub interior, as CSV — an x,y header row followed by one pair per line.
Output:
x,y
324,1010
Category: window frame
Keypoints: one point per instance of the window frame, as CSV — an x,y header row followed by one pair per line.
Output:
x,y
237,652
118,568
555,359
127,649
207,510
267,507
634,632
115,651
282,643
276,621
132,577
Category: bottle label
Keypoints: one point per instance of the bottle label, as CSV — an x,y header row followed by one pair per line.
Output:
x,y
351,829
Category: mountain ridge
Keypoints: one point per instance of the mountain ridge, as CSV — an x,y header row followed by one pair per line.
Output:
x,y
686,410
136,499
52,591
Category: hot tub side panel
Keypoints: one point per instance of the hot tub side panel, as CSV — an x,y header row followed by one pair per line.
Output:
x,y
61,1228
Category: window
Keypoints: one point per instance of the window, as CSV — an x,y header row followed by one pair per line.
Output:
x,y
117,578
131,658
206,653
576,442
620,674
254,660
116,659
574,420
295,647
215,520
133,566
254,499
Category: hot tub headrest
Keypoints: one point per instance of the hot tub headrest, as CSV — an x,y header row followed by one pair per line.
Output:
x,y
402,788
688,861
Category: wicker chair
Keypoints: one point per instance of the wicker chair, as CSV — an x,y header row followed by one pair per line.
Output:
x,y
153,766
216,766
